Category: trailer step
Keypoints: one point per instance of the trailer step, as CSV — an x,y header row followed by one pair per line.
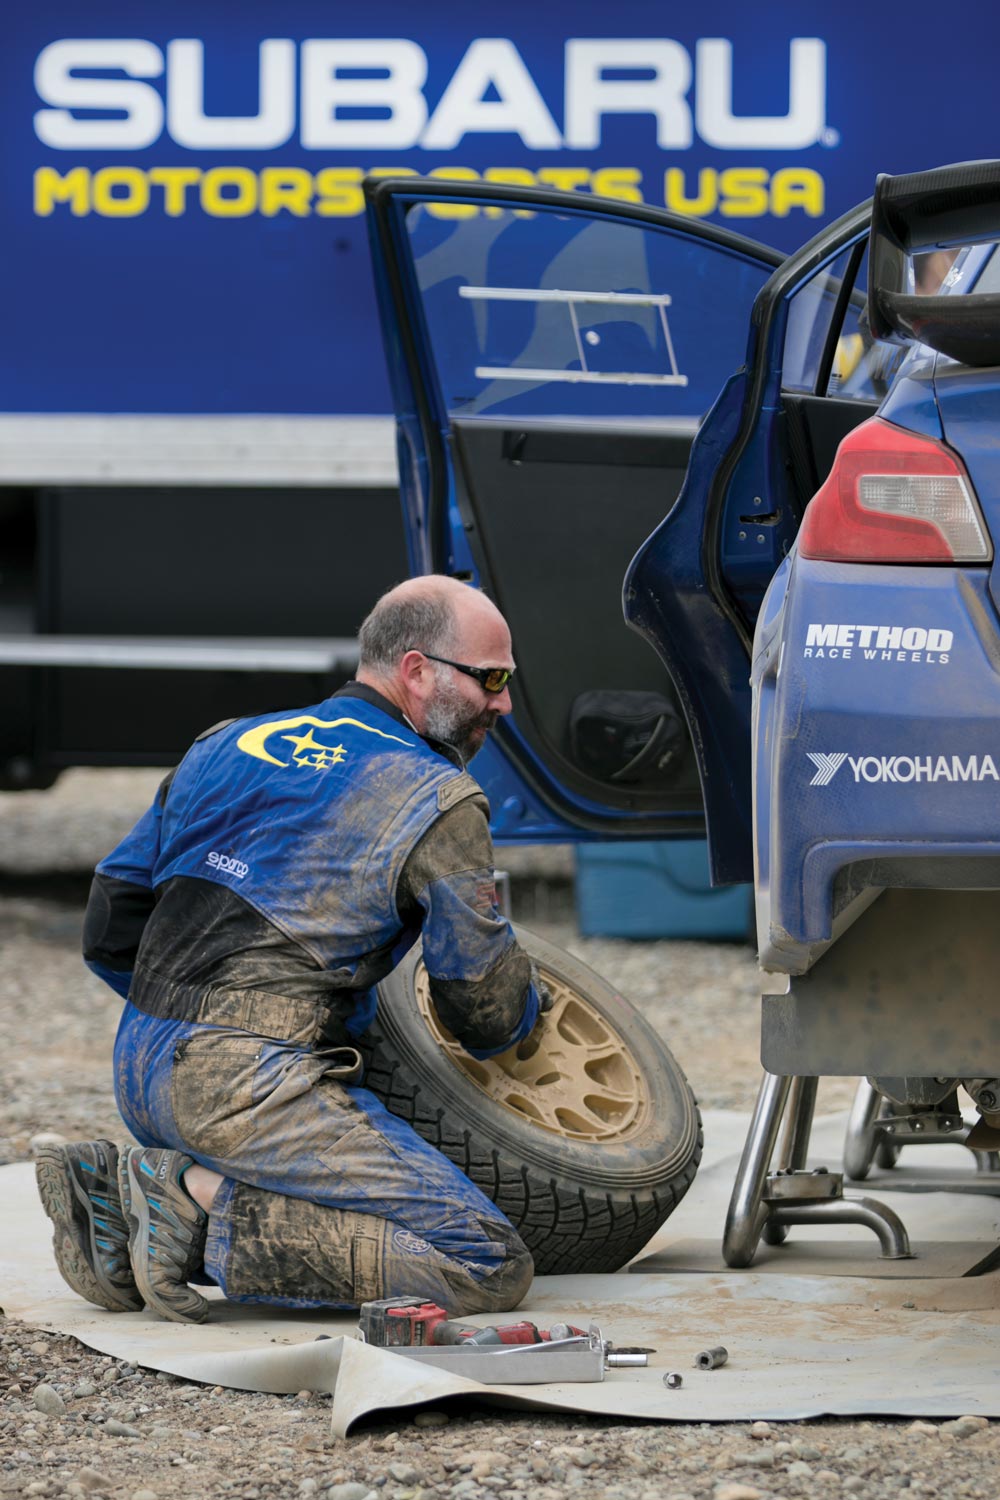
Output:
x,y
183,653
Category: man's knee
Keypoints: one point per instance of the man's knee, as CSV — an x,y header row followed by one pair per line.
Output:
x,y
503,1289
508,1286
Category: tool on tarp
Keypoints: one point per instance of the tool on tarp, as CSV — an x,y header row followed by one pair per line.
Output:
x,y
711,1359
403,1321
502,1354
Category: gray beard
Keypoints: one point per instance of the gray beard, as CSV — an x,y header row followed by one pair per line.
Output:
x,y
449,718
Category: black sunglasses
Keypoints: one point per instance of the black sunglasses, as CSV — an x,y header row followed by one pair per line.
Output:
x,y
490,679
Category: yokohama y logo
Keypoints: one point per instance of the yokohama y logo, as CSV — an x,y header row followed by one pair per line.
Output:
x,y
903,768
827,766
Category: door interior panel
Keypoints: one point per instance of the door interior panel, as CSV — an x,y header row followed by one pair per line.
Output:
x,y
554,515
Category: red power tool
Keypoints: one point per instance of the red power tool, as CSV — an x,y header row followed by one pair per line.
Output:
x,y
396,1322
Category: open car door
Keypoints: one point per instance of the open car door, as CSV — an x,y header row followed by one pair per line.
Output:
x,y
551,358
812,372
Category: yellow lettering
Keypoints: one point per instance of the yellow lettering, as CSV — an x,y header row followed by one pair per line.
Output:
x,y
51,188
674,193
445,208
134,200
236,206
340,195
744,192
175,182
565,179
288,188
797,187
618,182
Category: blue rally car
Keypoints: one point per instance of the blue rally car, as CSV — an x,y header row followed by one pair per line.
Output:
x,y
806,547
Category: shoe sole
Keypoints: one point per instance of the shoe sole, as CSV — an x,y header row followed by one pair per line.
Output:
x,y
76,1253
138,1244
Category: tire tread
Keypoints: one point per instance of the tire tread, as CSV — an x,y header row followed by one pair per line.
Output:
x,y
568,1230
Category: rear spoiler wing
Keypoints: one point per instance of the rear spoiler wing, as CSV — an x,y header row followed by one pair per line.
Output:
x,y
922,211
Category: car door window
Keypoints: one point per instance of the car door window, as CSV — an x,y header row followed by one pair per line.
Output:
x,y
829,349
553,313
810,316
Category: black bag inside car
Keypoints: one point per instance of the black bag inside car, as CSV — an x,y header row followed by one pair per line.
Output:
x,y
626,737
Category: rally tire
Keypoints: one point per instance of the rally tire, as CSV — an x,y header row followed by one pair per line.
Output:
x,y
579,1204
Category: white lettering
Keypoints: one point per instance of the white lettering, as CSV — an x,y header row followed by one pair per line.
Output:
x,y
324,92
125,113
910,643
190,126
227,865
906,768
57,85
520,109
821,635
718,126
590,96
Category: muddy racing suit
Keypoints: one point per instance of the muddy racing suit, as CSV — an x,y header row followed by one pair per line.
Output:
x,y
283,869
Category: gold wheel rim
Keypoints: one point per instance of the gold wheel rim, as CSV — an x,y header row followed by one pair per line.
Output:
x,y
573,1076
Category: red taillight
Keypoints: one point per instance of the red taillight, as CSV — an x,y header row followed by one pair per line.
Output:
x,y
893,496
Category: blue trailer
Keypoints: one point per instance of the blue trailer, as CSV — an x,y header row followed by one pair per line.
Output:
x,y
198,466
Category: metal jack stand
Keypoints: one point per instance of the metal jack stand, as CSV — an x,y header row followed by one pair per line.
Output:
x,y
765,1203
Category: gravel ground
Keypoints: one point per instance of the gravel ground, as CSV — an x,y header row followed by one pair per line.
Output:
x,y
79,1424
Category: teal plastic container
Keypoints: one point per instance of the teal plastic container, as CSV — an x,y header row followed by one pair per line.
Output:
x,y
657,890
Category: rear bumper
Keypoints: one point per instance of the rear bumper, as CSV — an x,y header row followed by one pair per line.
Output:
x,y
876,742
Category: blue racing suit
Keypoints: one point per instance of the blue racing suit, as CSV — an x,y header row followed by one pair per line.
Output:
x,y
284,868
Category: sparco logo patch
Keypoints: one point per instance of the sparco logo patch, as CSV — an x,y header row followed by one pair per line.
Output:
x,y
908,643
903,768
227,865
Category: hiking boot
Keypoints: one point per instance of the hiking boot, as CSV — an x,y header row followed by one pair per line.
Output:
x,y
78,1186
166,1231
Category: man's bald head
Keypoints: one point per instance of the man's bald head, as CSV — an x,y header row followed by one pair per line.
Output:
x,y
430,613
437,617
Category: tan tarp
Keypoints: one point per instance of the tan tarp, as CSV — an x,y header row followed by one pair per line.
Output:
x,y
800,1344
